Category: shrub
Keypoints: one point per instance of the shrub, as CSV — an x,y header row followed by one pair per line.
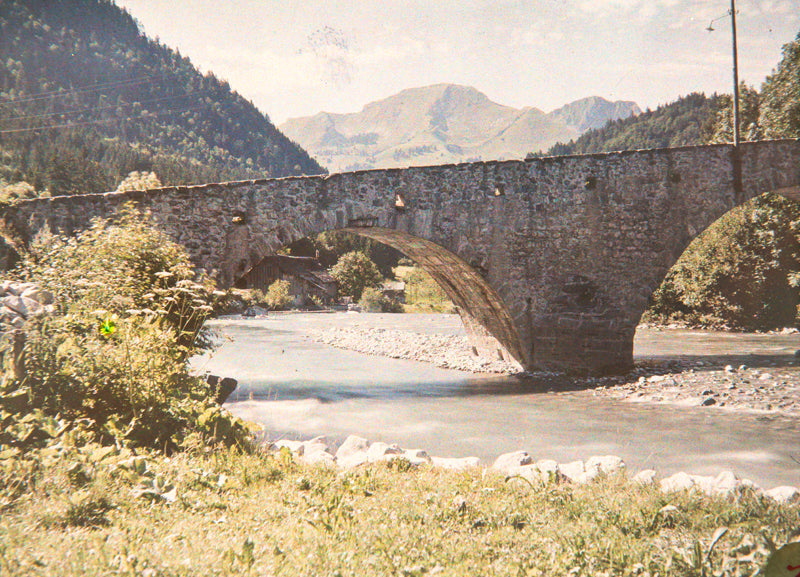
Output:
x,y
739,272
423,293
373,301
112,360
278,296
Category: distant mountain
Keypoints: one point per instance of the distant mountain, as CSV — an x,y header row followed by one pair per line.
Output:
x,y
86,98
441,124
593,112
687,121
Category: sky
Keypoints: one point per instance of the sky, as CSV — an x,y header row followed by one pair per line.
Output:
x,y
296,58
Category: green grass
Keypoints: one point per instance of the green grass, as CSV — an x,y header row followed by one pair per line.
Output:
x,y
423,294
89,512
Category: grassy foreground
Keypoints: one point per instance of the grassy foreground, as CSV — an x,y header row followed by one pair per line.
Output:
x,y
99,511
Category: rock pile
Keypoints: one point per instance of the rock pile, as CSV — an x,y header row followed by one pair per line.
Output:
x,y
776,389
20,301
445,351
356,451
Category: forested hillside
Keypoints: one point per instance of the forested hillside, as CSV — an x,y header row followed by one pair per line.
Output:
x,y
86,98
687,121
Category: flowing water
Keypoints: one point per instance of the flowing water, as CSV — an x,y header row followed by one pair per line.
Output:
x,y
297,388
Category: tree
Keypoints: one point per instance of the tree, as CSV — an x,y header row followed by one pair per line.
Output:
x,y
139,181
354,272
749,117
780,94
278,296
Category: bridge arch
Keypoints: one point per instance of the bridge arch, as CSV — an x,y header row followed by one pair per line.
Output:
x,y
681,249
484,315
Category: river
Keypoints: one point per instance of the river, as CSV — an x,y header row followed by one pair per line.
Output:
x,y
297,388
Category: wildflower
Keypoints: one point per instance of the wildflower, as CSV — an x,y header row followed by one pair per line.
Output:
x,y
108,327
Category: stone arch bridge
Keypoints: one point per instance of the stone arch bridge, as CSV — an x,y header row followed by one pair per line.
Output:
x,y
550,261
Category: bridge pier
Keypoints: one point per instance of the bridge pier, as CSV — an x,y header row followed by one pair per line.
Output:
x,y
584,345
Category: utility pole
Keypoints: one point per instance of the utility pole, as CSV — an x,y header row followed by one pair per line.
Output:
x,y
735,78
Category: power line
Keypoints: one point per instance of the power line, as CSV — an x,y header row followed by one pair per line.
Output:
x,y
86,88
110,106
88,122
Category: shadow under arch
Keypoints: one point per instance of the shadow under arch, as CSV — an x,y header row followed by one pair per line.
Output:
x,y
485,316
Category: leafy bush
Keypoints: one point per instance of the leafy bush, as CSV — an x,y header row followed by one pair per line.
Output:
x,y
113,357
735,274
354,272
373,301
278,296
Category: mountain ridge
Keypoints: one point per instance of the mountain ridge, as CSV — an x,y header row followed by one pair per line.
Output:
x,y
440,124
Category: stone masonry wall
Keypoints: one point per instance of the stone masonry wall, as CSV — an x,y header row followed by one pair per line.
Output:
x,y
555,258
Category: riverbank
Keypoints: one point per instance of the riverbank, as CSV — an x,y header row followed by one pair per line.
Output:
x,y
773,389
357,451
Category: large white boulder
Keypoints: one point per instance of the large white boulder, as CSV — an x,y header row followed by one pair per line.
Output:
x,y
607,464
784,494
295,447
677,482
574,471
414,456
378,451
352,444
456,464
645,477
505,462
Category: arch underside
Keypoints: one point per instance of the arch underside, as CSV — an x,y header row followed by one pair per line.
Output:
x,y
484,315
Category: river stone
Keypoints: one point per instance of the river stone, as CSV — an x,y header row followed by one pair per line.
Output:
x,y
607,464
784,494
18,288
315,445
704,483
508,460
549,469
353,460
16,304
726,483
574,471
7,314
319,458
748,484
415,456
294,446
530,472
645,477
40,295
456,464
378,451
352,445
677,482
